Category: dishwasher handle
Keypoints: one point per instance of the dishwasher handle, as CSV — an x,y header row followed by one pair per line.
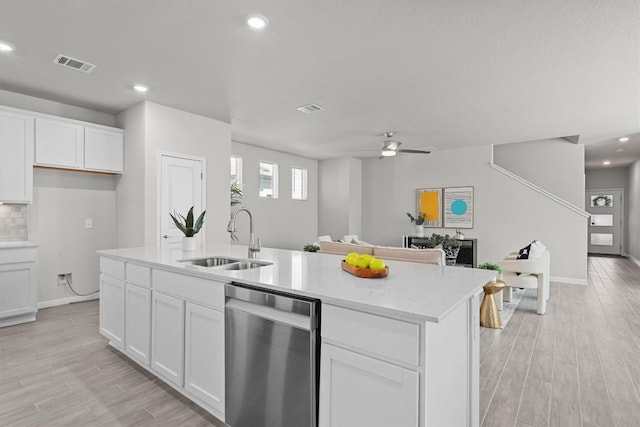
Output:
x,y
296,320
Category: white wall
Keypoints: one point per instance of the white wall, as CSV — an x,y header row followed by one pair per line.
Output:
x,y
61,202
130,199
340,197
171,130
150,128
555,164
633,211
604,179
507,214
279,223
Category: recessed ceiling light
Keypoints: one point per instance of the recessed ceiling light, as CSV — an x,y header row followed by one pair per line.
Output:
x,y
606,163
620,150
623,139
141,88
6,47
257,21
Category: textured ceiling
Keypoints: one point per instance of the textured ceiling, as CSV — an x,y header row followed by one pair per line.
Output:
x,y
438,73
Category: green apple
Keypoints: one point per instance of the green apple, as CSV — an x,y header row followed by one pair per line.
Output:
x,y
363,262
377,264
352,258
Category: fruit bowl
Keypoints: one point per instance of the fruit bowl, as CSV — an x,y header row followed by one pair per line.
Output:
x,y
366,273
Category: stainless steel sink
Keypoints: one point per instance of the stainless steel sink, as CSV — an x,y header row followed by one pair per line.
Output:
x,y
225,263
244,265
210,261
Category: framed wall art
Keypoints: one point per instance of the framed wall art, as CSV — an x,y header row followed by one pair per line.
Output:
x,y
429,202
458,207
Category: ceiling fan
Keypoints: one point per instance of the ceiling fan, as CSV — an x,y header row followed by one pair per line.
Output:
x,y
391,147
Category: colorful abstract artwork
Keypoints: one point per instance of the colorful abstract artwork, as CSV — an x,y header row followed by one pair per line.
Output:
x,y
458,207
429,202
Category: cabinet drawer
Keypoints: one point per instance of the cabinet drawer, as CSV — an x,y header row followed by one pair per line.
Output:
x,y
112,267
11,255
391,339
203,291
138,275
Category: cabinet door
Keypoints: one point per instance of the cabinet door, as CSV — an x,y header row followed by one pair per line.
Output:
x,y
17,289
59,143
103,149
357,390
16,157
112,310
167,337
138,323
204,354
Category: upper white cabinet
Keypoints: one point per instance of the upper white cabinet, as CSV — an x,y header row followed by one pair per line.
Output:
x,y
59,143
103,149
16,157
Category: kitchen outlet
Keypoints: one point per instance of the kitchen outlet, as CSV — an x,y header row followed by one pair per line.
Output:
x,y
88,223
64,279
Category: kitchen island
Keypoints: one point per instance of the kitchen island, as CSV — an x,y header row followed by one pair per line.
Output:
x,y
401,350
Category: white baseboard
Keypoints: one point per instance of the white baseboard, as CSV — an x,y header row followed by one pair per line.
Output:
x,y
67,300
633,259
571,280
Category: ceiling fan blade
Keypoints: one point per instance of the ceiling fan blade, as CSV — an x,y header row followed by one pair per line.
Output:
x,y
414,151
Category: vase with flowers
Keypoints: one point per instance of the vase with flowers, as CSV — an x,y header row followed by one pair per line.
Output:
x,y
418,221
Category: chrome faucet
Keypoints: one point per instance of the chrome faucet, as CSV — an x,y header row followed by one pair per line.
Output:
x,y
231,228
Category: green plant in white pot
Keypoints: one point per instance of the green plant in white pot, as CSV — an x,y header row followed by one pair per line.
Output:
x,y
189,227
418,221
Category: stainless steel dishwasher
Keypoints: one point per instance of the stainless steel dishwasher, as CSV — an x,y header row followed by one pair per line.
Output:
x,y
272,343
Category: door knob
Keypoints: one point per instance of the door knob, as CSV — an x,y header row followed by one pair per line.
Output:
x,y
165,236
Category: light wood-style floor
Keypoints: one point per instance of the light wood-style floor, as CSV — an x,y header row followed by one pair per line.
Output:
x,y
578,365
59,371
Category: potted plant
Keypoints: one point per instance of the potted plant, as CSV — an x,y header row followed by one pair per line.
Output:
x,y
235,193
311,247
418,221
450,246
188,227
491,266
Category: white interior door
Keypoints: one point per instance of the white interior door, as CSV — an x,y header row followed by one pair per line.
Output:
x,y
605,223
182,185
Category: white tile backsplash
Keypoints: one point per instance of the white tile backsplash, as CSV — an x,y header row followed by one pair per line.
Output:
x,y
13,223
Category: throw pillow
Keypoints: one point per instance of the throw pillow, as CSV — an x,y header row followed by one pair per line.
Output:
x,y
524,252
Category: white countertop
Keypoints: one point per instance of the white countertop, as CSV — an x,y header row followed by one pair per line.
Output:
x,y
20,244
411,290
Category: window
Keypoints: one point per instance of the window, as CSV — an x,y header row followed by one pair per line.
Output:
x,y
236,169
298,184
268,180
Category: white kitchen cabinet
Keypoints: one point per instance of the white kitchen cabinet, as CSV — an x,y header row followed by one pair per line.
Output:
x,y
18,285
167,337
59,143
16,157
112,309
204,354
138,323
103,149
357,390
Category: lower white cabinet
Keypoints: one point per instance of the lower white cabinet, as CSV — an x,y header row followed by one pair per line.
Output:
x,y
358,390
167,337
204,354
18,285
138,323
112,310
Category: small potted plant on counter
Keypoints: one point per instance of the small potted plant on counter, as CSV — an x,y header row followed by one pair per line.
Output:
x,y
188,227
418,221
491,266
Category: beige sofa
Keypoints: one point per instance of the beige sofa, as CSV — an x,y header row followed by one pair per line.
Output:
x,y
427,256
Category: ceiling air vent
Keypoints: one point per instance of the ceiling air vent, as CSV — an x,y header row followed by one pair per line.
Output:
x,y
310,108
76,64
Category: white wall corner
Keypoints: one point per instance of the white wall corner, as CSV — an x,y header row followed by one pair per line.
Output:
x,y
636,261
